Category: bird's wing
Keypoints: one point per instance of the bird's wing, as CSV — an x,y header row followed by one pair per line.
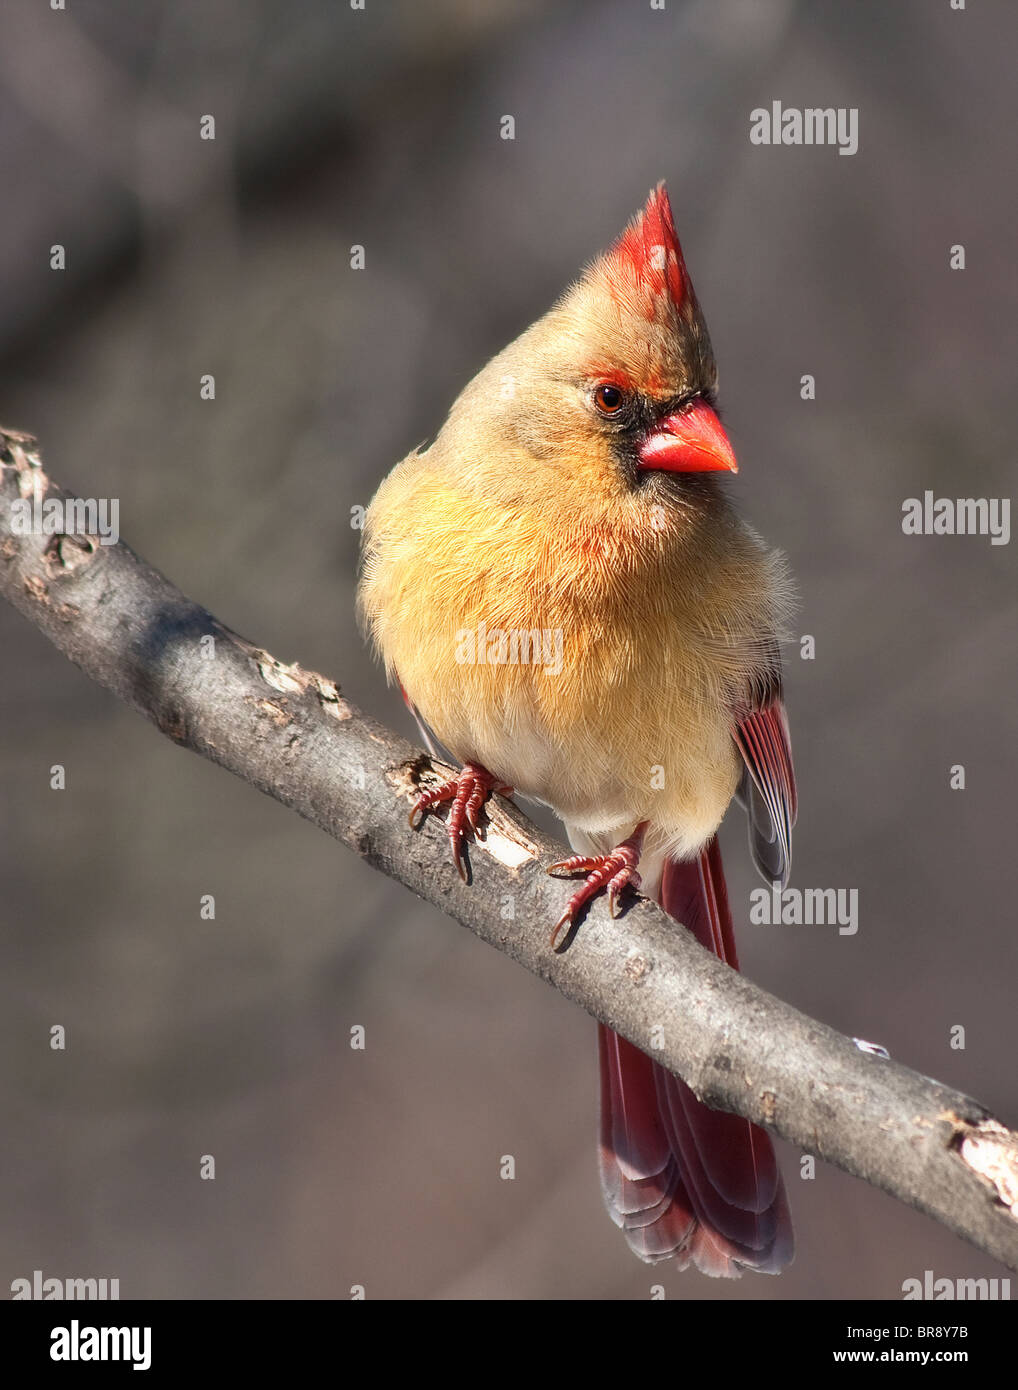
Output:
x,y
767,790
424,729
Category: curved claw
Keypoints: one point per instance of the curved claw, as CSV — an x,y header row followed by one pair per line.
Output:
x,y
625,878
566,924
456,840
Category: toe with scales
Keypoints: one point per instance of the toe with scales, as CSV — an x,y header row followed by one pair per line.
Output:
x,y
468,792
615,871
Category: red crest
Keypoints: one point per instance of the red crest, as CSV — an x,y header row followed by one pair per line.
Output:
x,y
648,254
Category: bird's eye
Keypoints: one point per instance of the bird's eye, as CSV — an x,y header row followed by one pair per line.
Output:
x,y
609,399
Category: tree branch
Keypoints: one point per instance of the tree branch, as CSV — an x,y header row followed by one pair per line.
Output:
x,y
290,733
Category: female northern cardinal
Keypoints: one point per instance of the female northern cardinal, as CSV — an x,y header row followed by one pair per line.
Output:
x,y
570,603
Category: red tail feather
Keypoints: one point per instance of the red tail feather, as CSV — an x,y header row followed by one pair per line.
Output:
x,y
680,1179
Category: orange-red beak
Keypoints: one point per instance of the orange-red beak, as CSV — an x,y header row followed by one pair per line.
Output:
x,y
689,442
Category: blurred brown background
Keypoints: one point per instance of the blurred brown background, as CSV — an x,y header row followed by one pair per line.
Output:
x,y
184,257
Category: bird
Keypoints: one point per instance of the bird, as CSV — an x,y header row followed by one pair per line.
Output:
x,y
573,609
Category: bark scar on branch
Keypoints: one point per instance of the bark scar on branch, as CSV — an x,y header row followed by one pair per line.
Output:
x,y
990,1151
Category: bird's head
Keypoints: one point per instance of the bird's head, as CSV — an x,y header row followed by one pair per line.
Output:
x,y
616,384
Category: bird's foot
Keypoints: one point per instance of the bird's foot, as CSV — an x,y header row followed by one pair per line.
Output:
x,y
468,793
614,871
